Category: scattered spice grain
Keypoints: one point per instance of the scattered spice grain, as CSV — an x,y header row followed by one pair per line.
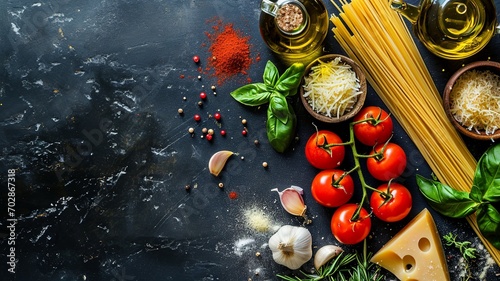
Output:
x,y
233,195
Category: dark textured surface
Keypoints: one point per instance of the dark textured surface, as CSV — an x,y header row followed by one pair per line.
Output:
x,y
89,94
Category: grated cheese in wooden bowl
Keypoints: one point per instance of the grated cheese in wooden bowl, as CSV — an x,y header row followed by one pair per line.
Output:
x,y
475,101
332,88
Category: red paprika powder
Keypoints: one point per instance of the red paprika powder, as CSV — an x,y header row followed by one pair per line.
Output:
x,y
230,52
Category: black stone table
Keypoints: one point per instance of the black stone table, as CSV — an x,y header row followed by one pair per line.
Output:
x,y
90,131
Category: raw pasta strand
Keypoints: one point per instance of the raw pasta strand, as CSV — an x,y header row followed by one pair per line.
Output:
x,y
377,38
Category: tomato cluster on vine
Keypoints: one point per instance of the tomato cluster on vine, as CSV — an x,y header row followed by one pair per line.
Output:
x,y
333,187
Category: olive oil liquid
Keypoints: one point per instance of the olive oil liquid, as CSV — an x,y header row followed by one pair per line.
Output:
x,y
458,28
303,44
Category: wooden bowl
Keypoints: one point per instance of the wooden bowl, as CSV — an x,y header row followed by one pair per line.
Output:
x,y
481,66
361,98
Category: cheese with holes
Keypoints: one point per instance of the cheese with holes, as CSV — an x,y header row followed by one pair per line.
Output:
x,y
416,252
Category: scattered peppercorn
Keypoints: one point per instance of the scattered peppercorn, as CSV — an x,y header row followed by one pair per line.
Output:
x,y
199,77
257,254
264,164
244,132
244,121
196,59
200,103
221,185
187,187
197,118
204,130
223,132
209,137
217,116
180,111
191,130
213,87
184,98
203,95
256,142
210,131
242,157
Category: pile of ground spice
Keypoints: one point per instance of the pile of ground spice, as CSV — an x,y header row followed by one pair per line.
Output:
x,y
230,52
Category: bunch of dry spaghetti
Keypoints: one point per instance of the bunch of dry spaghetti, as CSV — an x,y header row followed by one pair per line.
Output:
x,y
376,37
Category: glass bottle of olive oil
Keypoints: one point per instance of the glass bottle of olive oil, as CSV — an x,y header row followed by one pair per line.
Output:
x,y
452,29
294,29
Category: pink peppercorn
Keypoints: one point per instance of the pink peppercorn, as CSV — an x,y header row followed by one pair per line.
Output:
x,y
217,116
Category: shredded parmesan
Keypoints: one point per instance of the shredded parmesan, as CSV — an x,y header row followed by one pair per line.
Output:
x,y
475,101
332,88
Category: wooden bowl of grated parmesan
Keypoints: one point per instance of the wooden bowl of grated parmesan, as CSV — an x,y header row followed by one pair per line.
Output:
x,y
471,100
333,88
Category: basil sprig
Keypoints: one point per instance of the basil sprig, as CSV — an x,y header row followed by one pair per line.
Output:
x,y
482,199
281,119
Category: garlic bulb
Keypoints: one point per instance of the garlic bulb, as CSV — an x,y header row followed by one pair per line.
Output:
x,y
291,246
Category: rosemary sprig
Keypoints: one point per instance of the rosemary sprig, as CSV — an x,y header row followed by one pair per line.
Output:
x,y
344,267
331,269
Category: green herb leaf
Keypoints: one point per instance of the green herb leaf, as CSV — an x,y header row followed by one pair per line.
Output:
x,y
281,119
487,175
280,134
446,200
289,81
252,94
488,220
467,251
271,75
279,106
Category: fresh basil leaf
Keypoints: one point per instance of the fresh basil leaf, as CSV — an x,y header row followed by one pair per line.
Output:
x,y
446,200
476,194
252,94
487,174
488,220
290,80
271,75
279,134
279,107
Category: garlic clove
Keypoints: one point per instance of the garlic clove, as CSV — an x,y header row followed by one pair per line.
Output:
x,y
292,201
218,160
325,254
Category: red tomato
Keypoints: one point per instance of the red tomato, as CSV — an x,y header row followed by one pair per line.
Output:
x,y
347,231
377,129
395,208
320,154
329,189
390,164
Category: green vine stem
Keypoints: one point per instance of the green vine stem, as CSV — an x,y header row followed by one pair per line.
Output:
x,y
357,167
